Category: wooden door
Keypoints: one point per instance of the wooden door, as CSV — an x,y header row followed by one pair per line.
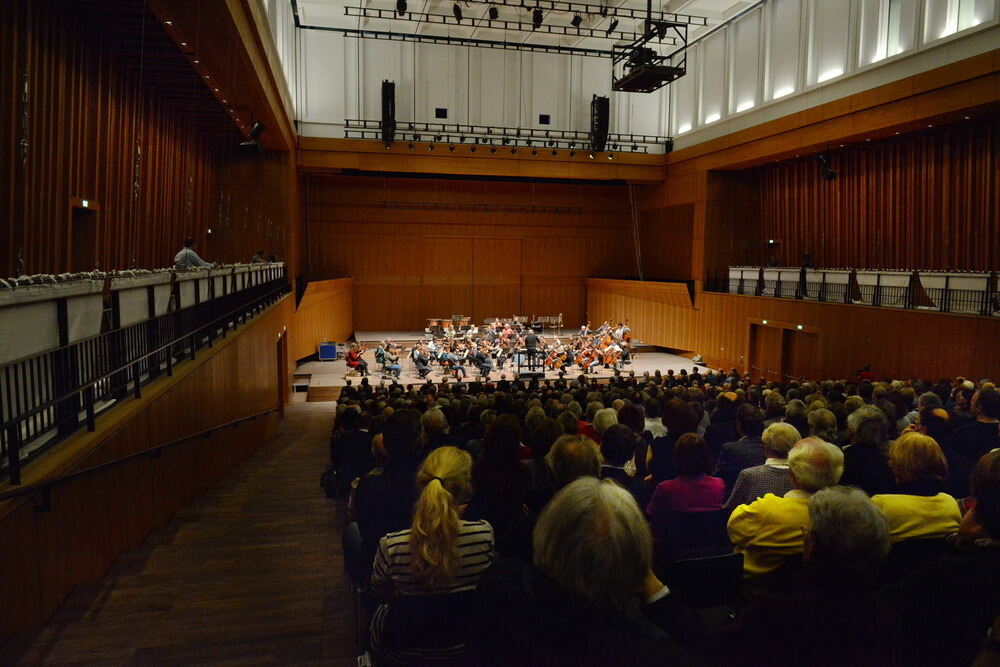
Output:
x,y
765,352
800,355
496,279
83,239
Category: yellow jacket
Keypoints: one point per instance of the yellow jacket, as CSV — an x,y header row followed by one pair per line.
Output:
x,y
922,517
769,530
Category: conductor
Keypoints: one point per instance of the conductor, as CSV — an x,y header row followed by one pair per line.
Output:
x,y
531,345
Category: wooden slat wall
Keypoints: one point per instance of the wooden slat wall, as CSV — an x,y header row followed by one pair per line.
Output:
x,y
97,517
925,201
896,342
107,90
324,314
409,264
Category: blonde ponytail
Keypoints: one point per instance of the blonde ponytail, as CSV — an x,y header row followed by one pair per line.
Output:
x,y
444,483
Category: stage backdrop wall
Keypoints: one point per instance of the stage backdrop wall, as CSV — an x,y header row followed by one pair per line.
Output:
x,y
730,331
423,247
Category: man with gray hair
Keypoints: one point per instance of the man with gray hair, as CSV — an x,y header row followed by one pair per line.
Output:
x,y
770,530
570,457
772,476
833,616
589,598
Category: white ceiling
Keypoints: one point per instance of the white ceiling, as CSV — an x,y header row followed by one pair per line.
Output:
x,y
331,14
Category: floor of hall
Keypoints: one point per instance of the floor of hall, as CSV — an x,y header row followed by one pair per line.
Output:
x,y
250,573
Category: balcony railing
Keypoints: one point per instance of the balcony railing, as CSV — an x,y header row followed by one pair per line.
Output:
x,y
115,333
967,293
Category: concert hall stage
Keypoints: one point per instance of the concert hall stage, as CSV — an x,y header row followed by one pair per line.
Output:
x,y
324,378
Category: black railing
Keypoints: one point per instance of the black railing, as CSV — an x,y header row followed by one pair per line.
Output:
x,y
53,394
46,485
840,286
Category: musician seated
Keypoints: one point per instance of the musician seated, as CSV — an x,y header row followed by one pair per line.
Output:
x,y
354,360
390,361
481,362
421,362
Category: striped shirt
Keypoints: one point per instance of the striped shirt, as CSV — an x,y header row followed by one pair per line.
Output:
x,y
392,574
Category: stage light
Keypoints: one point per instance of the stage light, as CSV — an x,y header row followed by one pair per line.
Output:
x,y
577,20
410,146
513,151
554,153
461,140
536,18
457,11
635,148
493,149
451,148
400,7
416,137
572,153
763,321
661,29
534,151
613,26
799,327
611,156
506,140
472,149
388,145
590,155
430,147
604,9
494,13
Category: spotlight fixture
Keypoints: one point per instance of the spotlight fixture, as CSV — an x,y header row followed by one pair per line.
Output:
x,y
536,18
416,137
572,153
534,151
457,11
506,140
430,147
827,172
577,20
410,146
388,145
635,148
555,153
604,9
613,26
472,149
513,151
611,156
401,7
661,29
437,137
493,149
494,13
461,139
590,155
451,148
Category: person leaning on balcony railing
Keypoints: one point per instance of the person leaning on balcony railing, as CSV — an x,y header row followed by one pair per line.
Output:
x,y
187,258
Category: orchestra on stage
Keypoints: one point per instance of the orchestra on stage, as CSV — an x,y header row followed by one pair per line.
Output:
x,y
457,347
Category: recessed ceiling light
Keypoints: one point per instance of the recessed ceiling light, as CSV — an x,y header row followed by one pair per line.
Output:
x,y
225,101
197,62
184,43
168,23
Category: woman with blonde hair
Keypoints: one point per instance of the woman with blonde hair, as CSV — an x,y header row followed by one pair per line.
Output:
x,y
918,509
425,577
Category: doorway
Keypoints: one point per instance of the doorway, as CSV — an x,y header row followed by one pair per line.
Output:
x,y
765,353
83,237
282,363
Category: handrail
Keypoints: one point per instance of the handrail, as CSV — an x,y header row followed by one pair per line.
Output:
x,y
41,486
53,402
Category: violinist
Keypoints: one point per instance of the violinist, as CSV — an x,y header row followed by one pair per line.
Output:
x,y
390,359
354,360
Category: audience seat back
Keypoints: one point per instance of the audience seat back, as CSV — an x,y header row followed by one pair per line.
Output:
x,y
713,581
694,535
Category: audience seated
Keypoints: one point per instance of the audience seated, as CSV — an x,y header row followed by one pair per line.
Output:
x,y
948,603
982,435
833,617
420,572
589,598
823,425
866,464
382,500
572,456
350,448
772,476
918,509
770,530
678,418
437,430
693,490
618,446
722,426
500,481
747,451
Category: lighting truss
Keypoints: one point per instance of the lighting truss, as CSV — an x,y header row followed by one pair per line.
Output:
x,y
467,41
487,135
497,142
495,24
590,8
639,68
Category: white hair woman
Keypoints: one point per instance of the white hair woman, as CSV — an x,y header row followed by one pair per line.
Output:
x,y
424,576
772,477
770,530
590,596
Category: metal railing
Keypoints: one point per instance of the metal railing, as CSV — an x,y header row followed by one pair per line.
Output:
x,y
51,395
966,293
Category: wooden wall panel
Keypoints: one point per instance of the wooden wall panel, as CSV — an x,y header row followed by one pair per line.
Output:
x,y
412,258
96,517
897,343
324,314
929,200
109,110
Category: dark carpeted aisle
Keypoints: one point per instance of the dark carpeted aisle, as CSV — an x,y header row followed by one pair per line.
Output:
x,y
250,573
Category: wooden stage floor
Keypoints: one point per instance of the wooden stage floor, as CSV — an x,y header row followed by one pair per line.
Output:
x,y
326,377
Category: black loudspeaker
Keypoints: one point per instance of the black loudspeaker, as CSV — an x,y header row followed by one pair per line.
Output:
x,y
599,113
388,112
